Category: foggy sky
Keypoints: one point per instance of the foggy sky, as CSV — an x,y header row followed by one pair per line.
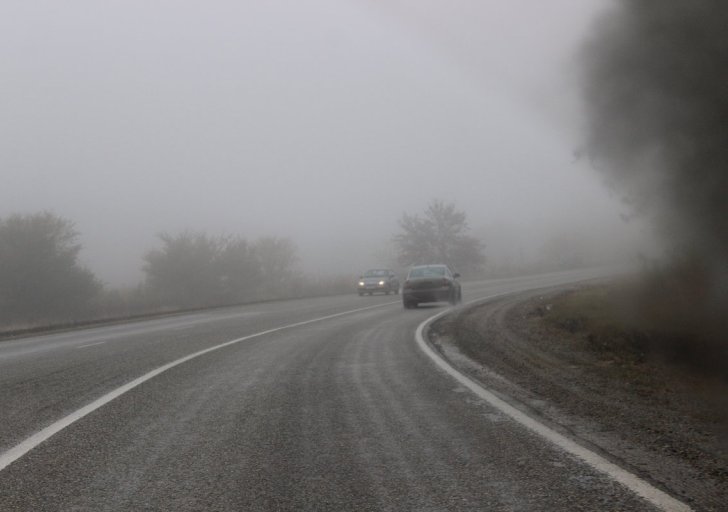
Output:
x,y
321,120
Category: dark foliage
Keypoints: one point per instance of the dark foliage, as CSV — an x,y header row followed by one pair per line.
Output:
x,y
656,90
196,269
40,277
656,85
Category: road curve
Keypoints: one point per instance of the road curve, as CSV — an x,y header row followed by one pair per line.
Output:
x,y
332,407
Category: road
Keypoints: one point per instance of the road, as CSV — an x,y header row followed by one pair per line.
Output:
x,y
318,404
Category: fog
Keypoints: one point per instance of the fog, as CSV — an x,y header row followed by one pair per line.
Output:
x,y
655,85
322,121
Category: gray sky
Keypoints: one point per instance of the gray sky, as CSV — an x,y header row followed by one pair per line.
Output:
x,y
320,120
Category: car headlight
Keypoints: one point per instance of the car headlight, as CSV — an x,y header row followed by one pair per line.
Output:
x,y
381,283
361,283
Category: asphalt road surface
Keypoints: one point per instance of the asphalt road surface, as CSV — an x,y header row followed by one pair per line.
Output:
x,y
333,407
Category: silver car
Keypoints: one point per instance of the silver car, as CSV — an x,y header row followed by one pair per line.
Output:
x,y
381,280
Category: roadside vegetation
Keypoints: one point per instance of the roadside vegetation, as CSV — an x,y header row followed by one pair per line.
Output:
x,y
43,283
40,277
597,314
665,314
653,81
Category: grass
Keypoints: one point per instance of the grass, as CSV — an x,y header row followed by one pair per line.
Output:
x,y
670,314
600,314
653,332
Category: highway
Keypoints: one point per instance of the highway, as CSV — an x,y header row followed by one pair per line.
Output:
x,y
311,404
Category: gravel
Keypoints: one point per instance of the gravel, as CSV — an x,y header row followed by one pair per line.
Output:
x,y
656,420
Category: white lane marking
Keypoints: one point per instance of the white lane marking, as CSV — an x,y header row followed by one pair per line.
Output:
x,y
91,344
660,499
31,442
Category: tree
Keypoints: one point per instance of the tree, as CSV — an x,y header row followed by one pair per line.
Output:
x,y
238,270
276,257
181,273
439,237
654,85
196,269
40,277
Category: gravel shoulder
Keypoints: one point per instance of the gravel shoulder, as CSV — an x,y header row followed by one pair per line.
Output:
x,y
655,419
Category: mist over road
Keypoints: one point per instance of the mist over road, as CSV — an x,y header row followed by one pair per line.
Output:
x,y
339,411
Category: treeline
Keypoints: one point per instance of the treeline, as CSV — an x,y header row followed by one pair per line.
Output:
x,y
197,269
42,281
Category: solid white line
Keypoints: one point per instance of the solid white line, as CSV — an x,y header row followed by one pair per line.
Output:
x,y
91,344
660,499
28,444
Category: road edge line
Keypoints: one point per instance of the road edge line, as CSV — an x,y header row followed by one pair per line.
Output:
x,y
634,483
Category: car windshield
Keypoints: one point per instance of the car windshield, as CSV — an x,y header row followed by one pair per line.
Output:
x,y
427,272
376,273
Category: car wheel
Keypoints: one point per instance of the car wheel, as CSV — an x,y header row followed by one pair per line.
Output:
x,y
386,292
361,294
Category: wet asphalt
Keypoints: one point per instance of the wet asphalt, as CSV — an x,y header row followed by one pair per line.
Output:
x,y
342,414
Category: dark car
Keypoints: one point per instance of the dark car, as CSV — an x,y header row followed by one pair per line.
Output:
x,y
379,280
431,283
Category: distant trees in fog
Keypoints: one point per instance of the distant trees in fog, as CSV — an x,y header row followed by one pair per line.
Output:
x,y
197,269
40,276
276,258
42,282
439,236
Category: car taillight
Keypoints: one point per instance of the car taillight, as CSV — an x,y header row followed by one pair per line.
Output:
x,y
445,282
406,284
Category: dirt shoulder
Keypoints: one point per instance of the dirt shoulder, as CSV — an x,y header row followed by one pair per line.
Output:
x,y
660,421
